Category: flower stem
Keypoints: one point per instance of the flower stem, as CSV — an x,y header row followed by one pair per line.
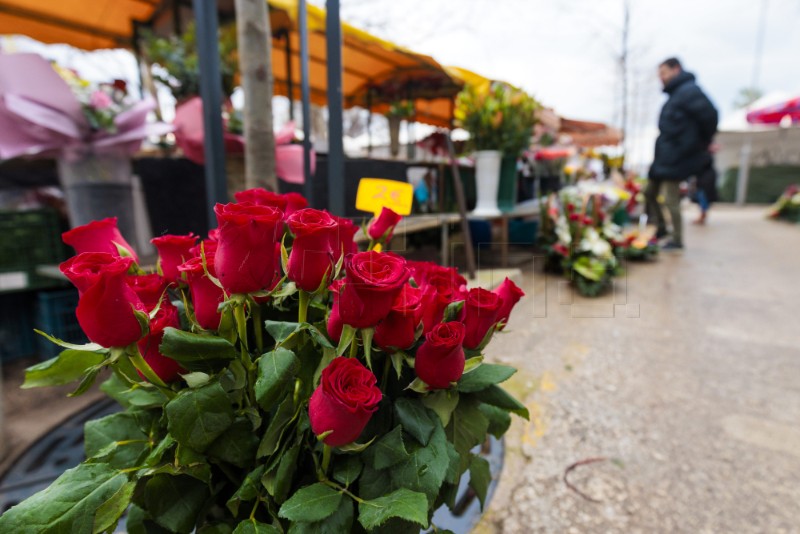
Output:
x,y
326,458
258,327
336,486
354,345
143,367
302,312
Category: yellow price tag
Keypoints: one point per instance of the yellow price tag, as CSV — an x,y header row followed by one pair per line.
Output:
x,y
376,193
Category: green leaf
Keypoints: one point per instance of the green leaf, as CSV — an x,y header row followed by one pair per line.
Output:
x,y
86,382
397,363
426,467
132,395
196,417
346,469
63,369
340,521
418,386
276,373
197,352
251,526
453,473
87,347
472,363
68,505
499,420
479,477
277,428
285,474
453,311
175,502
402,503
484,376
109,512
196,379
282,330
366,336
387,451
415,418
347,337
442,402
374,483
311,503
467,426
118,438
497,396
319,337
248,491
237,445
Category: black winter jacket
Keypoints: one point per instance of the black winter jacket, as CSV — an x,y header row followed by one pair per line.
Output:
x,y
686,126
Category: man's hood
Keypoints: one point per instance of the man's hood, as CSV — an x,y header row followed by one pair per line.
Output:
x,y
678,80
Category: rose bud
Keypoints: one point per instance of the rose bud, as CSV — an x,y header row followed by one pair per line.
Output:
x,y
173,250
440,290
398,329
245,258
574,217
510,294
588,221
294,202
334,324
149,287
560,248
440,359
213,235
98,236
347,232
167,369
261,197
373,281
107,303
208,245
384,224
480,313
344,401
315,240
206,295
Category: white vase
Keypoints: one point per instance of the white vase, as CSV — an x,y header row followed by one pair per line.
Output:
x,y
487,181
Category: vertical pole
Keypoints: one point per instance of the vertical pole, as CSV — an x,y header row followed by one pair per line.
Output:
x,y
333,39
289,80
369,121
305,89
205,12
461,200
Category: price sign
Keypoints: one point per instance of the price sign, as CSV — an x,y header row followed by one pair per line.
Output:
x,y
377,193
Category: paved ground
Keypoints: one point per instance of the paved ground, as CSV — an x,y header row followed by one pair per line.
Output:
x,y
685,385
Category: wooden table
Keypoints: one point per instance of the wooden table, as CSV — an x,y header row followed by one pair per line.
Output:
x,y
529,209
418,223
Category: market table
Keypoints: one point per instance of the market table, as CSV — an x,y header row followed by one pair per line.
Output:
x,y
529,209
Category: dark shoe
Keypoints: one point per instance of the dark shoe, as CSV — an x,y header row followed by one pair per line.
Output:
x,y
661,233
672,245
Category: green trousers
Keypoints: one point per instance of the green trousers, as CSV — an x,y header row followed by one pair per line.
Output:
x,y
672,202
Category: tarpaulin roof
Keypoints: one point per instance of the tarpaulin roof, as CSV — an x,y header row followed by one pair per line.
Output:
x,y
590,134
371,66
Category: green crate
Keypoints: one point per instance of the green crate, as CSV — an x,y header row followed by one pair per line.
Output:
x,y
29,239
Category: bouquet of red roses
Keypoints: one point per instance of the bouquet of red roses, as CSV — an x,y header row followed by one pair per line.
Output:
x,y
273,379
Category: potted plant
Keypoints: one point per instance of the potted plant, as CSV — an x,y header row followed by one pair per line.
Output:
x,y
499,119
274,379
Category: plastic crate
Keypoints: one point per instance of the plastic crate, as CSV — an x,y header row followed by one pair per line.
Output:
x,y
29,239
17,314
56,316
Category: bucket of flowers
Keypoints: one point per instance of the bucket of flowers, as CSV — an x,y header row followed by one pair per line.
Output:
x,y
274,379
787,207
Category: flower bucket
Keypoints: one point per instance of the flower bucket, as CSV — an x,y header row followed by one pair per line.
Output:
x,y
487,181
97,186
507,191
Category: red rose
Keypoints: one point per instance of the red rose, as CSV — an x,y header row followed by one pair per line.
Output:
x,y
424,271
588,221
173,250
384,224
213,235
570,207
398,329
206,295
347,231
334,324
440,359
372,283
574,217
313,249
107,303
510,294
294,202
245,259
480,313
167,369
208,245
440,289
261,197
98,236
560,248
344,401
149,288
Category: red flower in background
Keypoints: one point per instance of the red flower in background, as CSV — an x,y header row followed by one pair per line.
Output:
x,y
383,224
510,294
98,236
173,250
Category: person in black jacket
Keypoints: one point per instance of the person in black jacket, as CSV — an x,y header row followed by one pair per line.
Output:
x,y
687,124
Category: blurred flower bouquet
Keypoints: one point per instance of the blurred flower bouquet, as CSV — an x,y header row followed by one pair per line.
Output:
x,y
637,244
497,116
274,379
787,206
576,234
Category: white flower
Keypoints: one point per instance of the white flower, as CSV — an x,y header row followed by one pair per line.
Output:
x,y
562,231
592,242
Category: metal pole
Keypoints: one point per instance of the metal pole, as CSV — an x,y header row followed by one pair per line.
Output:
x,y
305,90
458,187
369,121
205,12
289,80
333,39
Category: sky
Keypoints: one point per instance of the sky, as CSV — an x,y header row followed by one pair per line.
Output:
x,y
566,52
